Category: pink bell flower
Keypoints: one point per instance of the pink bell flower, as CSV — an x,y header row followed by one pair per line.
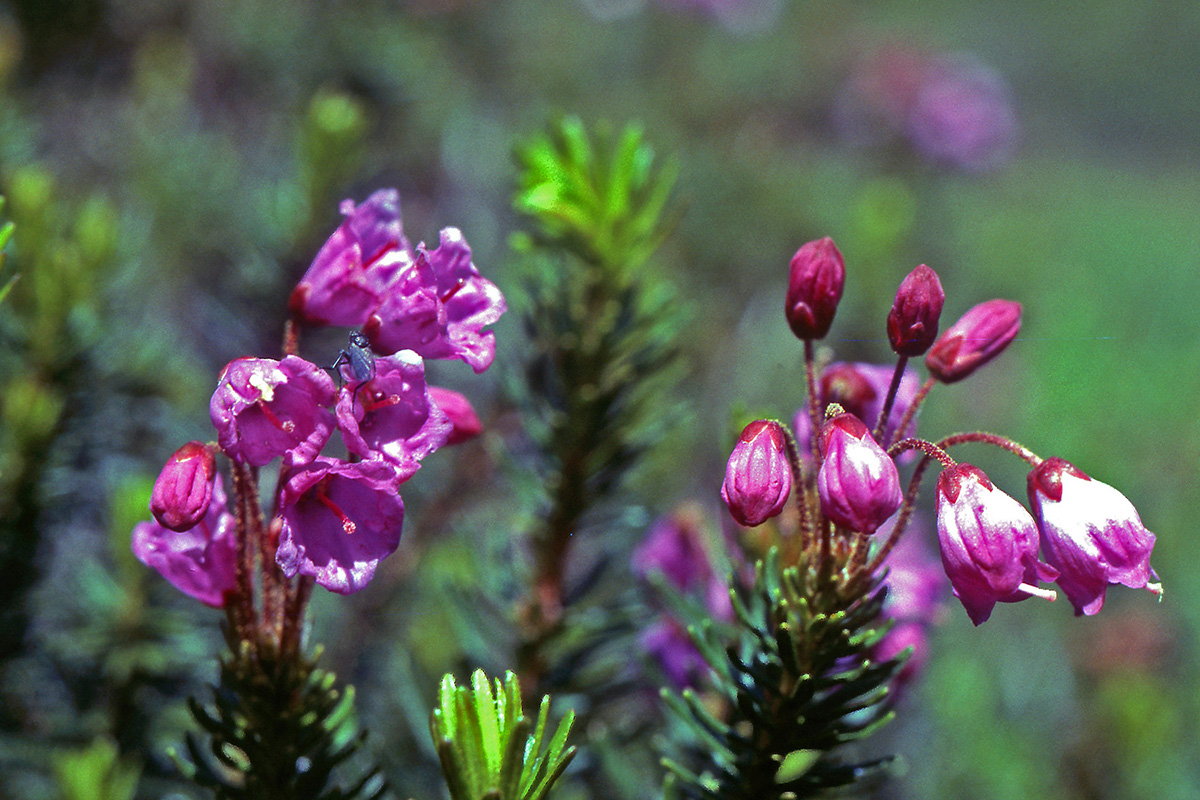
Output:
x,y
989,543
1090,533
264,409
184,488
339,521
200,561
354,268
858,482
758,477
392,416
439,306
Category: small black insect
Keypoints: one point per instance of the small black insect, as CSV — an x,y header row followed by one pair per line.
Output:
x,y
361,360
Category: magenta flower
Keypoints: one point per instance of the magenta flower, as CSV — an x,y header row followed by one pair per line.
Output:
x,y
860,388
1090,533
200,561
263,409
675,547
816,278
392,416
902,636
184,487
989,543
464,421
439,306
980,335
912,324
758,477
858,482
339,521
353,269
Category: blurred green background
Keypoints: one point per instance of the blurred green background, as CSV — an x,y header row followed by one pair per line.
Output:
x,y
172,165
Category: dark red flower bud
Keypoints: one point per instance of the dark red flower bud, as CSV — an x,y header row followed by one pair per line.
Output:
x,y
184,488
912,324
815,282
846,385
978,337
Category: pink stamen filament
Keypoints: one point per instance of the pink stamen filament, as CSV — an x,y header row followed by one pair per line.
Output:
x,y
287,426
347,524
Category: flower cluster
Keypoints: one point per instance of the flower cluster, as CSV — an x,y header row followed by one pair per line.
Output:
x,y
841,462
951,110
334,516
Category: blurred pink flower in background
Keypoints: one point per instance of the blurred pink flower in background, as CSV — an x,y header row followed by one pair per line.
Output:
x,y
950,110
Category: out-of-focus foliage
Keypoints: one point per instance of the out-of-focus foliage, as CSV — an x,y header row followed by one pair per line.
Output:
x,y
170,168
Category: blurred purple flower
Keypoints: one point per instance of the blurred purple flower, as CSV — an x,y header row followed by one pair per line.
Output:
x,y
671,647
199,561
675,547
962,116
950,109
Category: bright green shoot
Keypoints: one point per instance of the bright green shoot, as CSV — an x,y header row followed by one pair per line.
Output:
x,y
485,742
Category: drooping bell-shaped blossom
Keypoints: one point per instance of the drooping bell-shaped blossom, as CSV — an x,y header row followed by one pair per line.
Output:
x,y
392,416
989,543
1090,533
339,520
464,421
354,268
264,409
758,477
858,482
200,561
816,278
674,546
860,389
439,306
912,324
184,488
980,335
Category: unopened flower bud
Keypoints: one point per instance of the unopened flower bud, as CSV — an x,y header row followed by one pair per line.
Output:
x,y
184,488
1091,533
462,415
858,483
815,282
978,337
989,543
912,324
758,477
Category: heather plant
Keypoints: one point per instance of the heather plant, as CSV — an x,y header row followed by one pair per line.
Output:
x,y
820,653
